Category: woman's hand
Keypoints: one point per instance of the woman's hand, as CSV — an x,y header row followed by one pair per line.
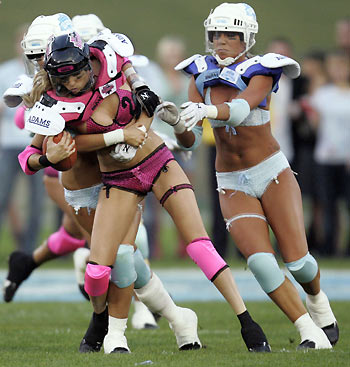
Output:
x,y
56,152
135,135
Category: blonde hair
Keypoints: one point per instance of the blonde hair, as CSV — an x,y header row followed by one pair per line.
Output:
x,y
41,84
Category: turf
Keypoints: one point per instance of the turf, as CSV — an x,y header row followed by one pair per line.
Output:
x,y
48,334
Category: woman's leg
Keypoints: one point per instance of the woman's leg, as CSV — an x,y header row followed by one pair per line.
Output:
x,y
67,239
282,205
182,206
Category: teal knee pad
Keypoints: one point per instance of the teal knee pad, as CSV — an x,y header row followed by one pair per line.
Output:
x,y
142,270
303,270
142,241
123,272
266,271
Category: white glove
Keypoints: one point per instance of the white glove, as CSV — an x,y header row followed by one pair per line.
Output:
x,y
123,152
13,95
192,113
168,112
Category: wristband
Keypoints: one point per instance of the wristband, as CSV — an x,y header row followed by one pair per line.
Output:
x,y
113,137
212,112
179,127
45,162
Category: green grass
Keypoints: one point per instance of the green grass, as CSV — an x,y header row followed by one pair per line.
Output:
x,y
48,334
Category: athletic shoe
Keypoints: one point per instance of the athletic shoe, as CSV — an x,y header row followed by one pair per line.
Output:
x,y
254,338
322,315
312,336
80,258
185,329
21,266
95,334
142,317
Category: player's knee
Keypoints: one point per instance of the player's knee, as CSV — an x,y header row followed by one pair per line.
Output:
x,y
96,279
142,270
142,241
303,270
62,243
203,253
266,271
123,272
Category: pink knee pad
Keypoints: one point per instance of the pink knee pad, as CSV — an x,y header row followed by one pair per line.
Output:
x,y
62,243
96,279
203,253
19,117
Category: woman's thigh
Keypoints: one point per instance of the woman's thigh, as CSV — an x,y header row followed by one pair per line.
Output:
x,y
181,204
283,208
245,221
113,218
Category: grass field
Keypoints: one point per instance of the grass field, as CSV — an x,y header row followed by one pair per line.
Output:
x,y
48,334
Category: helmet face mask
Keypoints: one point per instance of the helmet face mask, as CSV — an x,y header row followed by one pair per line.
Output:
x,y
229,17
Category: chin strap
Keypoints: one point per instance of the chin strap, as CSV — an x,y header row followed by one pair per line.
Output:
x,y
230,60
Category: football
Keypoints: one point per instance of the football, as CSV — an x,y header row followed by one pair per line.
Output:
x,y
64,164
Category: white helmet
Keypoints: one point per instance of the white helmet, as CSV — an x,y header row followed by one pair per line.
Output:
x,y
87,26
35,40
239,17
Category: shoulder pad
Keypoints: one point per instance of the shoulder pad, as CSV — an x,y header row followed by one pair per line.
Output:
x,y
290,67
118,42
188,61
139,61
44,120
245,65
13,95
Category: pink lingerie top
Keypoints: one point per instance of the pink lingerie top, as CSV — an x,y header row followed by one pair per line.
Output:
x,y
126,112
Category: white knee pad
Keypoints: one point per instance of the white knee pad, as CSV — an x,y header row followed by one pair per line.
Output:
x,y
124,273
303,270
142,241
142,270
266,271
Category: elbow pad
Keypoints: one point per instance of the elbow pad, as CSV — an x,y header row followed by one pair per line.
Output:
x,y
198,132
239,111
24,156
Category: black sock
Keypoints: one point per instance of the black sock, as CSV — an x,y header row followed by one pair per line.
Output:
x,y
245,319
21,266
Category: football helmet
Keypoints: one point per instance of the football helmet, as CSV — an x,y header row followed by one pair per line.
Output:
x,y
229,17
88,26
35,41
67,55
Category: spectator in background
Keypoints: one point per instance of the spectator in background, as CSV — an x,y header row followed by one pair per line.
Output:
x,y
342,34
332,151
171,86
281,102
314,74
12,142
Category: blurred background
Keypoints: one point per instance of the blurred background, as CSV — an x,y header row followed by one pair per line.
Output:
x,y
168,31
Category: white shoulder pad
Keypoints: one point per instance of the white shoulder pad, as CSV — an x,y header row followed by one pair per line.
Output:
x,y
68,107
13,95
139,61
243,66
187,62
44,120
290,67
118,41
